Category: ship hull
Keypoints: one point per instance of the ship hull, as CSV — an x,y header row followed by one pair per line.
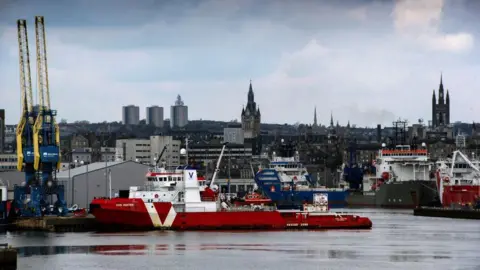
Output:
x,y
408,194
460,195
135,214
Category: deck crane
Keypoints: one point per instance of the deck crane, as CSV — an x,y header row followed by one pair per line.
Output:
x,y
46,133
211,190
157,159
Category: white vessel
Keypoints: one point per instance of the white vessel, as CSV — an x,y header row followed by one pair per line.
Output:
x,y
403,177
458,180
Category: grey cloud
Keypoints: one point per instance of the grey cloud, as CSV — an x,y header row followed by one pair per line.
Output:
x,y
298,54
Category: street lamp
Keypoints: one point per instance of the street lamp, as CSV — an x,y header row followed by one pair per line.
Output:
x,y
86,163
104,155
73,181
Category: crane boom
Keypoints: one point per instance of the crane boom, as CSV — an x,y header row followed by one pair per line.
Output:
x,y
46,129
24,128
37,137
42,68
217,168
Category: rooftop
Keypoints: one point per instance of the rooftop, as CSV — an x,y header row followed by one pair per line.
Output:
x,y
91,167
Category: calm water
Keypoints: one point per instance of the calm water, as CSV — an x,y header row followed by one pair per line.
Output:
x,y
398,241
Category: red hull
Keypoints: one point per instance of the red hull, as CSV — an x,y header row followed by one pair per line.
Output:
x,y
134,213
460,195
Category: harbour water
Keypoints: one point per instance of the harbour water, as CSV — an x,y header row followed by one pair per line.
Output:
x,y
398,240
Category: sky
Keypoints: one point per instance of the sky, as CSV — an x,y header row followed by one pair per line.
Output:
x,y
364,61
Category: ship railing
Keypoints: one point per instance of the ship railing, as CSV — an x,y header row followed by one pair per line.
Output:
x,y
250,208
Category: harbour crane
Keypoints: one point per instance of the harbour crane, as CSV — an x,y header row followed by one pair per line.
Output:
x,y
38,136
24,135
46,133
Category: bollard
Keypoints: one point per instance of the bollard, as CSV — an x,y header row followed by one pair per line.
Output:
x,y
8,257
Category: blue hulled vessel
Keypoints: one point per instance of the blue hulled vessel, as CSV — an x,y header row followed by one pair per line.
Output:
x,y
286,179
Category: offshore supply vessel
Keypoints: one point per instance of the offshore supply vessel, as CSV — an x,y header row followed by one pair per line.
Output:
x,y
287,179
146,210
403,176
177,204
458,181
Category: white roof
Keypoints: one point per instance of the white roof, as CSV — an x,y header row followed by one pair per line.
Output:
x,y
91,167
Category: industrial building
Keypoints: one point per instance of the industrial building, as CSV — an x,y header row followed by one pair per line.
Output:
x,y
144,150
8,162
155,116
178,114
130,115
133,149
233,135
171,156
84,183
2,130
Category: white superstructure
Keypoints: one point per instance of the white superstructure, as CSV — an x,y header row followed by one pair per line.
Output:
x,y
163,185
403,163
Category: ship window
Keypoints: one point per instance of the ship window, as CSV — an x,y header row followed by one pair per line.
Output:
x,y
169,178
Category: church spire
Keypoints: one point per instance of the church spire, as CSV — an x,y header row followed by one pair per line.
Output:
x,y
331,119
441,99
251,98
315,116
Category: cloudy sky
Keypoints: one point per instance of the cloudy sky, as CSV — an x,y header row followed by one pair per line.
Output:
x,y
366,61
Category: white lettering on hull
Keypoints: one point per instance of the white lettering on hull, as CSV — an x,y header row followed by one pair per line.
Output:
x,y
156,221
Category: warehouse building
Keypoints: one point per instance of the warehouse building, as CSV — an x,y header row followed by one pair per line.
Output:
x,y
84,183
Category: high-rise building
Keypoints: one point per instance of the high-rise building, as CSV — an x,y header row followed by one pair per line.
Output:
x,y
2,130
130,115
178,114
155,116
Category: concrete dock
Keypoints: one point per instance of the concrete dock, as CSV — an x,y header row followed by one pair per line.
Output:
x,y
56,224
447,212
8,257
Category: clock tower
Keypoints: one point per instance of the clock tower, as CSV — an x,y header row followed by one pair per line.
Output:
x,y
251,117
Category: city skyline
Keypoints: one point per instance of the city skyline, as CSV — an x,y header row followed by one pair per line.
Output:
x,y
368,62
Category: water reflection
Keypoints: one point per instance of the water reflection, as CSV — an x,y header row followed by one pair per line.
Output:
x,y
397,241
163,249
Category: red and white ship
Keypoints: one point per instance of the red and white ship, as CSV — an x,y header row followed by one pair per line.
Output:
x,y
190,212
175,201
458,181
